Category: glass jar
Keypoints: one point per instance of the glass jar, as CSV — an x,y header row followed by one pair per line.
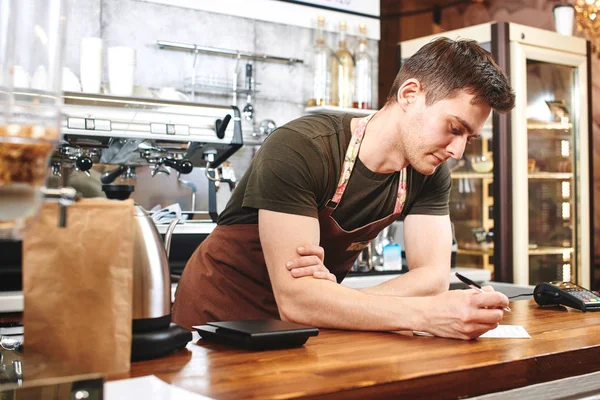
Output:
x,y
31,47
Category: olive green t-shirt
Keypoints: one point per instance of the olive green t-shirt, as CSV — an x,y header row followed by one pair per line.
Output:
x,y
297,168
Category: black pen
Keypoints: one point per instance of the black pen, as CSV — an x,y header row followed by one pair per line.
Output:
x,y
473,286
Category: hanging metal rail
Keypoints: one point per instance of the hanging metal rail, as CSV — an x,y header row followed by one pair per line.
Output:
x,y
162,44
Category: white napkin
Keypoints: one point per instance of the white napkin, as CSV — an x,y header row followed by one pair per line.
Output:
x,y
147,388
167,214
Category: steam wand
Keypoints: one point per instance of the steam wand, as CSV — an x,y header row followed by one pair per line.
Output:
x,y
65,197
227,174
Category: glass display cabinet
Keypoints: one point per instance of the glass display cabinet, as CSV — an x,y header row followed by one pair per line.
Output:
x,y
521,195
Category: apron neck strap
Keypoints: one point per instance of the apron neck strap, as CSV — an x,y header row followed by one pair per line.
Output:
x,y
349,161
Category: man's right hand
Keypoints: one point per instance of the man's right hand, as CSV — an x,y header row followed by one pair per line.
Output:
x,y
464,314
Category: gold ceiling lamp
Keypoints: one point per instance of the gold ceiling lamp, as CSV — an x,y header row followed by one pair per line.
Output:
x,y
587,15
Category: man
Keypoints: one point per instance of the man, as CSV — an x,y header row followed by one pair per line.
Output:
x,y
321,187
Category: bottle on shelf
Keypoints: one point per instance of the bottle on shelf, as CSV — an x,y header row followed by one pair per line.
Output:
x,y
342,73
321,59
363,73
392,256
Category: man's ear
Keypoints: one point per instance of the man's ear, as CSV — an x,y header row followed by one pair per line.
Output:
x,y
408,91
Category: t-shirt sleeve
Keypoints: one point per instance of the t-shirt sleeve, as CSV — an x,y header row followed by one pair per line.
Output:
x,y
283,178
435,194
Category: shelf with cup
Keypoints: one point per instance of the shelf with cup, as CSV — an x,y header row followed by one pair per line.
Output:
x,y
338,110
546,134
476,252
541,125
547,250
534,250
550,175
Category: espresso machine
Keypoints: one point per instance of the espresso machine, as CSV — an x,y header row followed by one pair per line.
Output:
x,y
128,133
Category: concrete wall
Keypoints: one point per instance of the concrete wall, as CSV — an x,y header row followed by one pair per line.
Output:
x,y
283,89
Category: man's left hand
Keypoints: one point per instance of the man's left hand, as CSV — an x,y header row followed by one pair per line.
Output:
x,y
310,263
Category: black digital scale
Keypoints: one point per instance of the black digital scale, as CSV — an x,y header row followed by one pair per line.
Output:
x,y
261,334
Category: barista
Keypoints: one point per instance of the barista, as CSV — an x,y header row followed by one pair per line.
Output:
x,y
323,186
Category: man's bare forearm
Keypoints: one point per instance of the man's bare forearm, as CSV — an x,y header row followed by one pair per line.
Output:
x,y
428,243
417,282
326,304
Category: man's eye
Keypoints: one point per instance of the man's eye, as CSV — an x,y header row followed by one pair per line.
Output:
x,y
455,130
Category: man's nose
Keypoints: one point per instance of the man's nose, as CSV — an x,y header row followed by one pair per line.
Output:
x,y
456,148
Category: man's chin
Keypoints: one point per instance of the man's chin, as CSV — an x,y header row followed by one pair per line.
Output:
x,y
427,169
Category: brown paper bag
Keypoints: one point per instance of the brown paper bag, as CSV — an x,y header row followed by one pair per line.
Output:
x,y
77,285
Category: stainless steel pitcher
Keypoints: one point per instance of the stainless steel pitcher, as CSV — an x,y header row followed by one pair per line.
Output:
x,y
151,275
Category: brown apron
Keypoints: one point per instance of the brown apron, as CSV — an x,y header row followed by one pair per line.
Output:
x,y
227,279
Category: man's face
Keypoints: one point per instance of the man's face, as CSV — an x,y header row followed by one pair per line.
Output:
x,y
434,133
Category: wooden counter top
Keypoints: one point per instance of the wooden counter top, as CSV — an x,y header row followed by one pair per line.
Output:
x,y
342,364
347,365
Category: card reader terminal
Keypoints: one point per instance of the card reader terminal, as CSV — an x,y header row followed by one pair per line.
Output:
x,y
567,294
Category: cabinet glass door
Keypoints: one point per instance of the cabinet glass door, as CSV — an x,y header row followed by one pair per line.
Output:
x,y
550,162
472,202
549,150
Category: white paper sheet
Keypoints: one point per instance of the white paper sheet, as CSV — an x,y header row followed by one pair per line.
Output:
x,y
502,331
147,388
507,331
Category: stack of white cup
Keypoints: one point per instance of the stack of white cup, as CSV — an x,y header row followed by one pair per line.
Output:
x,y
121,70
90,64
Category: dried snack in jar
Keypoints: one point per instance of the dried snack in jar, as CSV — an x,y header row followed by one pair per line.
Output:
x,y
24,161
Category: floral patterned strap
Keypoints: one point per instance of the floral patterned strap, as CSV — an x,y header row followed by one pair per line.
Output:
x,y
401,197
350,159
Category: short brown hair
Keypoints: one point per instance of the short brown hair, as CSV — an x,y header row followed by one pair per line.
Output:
x,y
446,66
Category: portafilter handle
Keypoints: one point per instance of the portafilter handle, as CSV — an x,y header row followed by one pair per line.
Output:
x,y
182,166
169,235
109,177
